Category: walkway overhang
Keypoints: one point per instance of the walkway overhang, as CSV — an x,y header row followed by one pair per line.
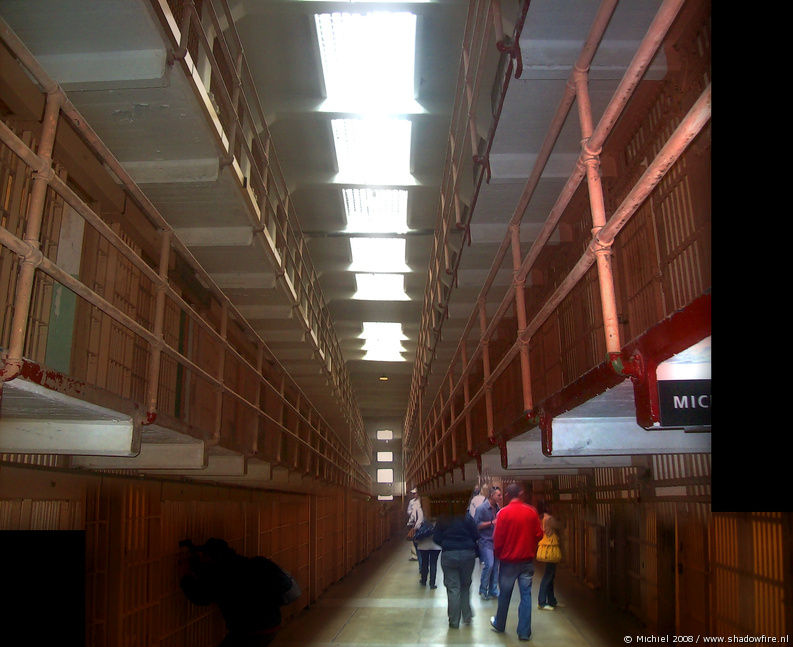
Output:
x,y
38,420
160,449
606,426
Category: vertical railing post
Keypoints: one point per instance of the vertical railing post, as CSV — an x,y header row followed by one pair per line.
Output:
x,y
486,371
224,322
258,398
12,362
591,160
153,382
520,307
469,441
279,451
235,101
298,427
452,413
443,455
184,33
498,23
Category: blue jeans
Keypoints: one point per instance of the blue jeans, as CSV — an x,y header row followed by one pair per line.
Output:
x,y
488,584
545,594
458,567
523,572
429,564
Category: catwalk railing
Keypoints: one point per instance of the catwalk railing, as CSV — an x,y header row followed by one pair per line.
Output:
x,y
467,153
544,337
203,36
159,346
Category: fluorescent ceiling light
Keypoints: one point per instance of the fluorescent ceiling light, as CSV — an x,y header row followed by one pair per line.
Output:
x,y
373,150
368,58
385,475
385,497
378,255
385,434
376,210
380,287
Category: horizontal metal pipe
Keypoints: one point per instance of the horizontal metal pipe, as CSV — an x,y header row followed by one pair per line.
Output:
x,y
19,148
25,250
419,383
587,53
689,128
28,61
696,117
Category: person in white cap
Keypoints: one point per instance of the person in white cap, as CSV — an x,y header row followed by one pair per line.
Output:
x,y
415,517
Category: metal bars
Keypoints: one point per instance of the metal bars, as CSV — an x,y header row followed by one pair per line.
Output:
x,y
340,467
247,148
603,234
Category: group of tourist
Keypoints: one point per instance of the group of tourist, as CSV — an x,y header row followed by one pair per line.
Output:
x,y
503,530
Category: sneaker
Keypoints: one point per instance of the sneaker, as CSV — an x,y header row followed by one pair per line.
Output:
x,y
468,622
451,626
493,625
545,607
524,637
483,596
422,583
432,586
558,605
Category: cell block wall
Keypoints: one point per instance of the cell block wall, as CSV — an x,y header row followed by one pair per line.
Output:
x,y
132,529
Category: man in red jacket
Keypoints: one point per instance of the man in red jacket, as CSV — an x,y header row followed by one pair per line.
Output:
x,y
517,532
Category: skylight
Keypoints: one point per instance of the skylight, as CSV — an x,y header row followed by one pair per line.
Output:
x,y
383,341
368,62
376,210
373,150
380,287
378,255
368,58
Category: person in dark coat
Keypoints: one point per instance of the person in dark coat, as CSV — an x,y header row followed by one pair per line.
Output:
x,y
248,590
457,537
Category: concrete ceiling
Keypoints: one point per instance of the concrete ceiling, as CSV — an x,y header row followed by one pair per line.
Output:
x,y
111,59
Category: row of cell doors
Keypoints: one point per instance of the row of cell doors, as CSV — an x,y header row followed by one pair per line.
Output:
x,y
686,571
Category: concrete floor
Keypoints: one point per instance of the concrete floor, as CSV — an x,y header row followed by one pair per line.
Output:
x,y
381,603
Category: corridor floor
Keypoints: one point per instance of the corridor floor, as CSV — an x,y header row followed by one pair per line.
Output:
x,y
381,603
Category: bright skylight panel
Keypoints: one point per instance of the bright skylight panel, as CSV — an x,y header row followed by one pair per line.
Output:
x,y
368,58
382,329
380,255
384,355
373,150
383,341
380,287
376,210
389,347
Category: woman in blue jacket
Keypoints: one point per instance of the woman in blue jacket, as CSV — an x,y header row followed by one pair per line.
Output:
x,y
457,538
